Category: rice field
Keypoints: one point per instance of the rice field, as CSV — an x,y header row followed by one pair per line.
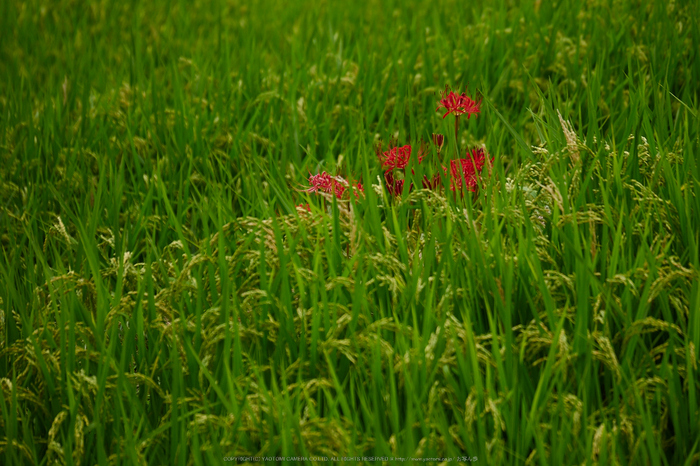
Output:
x,y
311,231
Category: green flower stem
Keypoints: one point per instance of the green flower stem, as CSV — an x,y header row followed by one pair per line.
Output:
x,y
457,134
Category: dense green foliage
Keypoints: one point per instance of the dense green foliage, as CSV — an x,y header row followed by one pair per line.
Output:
x,y
163,302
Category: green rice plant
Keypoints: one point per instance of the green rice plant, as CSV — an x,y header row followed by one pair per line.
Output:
x,y
164,300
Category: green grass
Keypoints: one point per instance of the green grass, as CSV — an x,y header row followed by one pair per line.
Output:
x,y
163,302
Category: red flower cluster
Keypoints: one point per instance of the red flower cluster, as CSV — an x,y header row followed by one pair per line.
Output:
x,y
459,104
328,184
468,169
394,163
393,184
398,157
464,173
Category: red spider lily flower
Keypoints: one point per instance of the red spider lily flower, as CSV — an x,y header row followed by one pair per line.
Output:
x,y
304,208
438,140
459,104
394,163
468,169
431,183
358,189
397,157
393,184
327,184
